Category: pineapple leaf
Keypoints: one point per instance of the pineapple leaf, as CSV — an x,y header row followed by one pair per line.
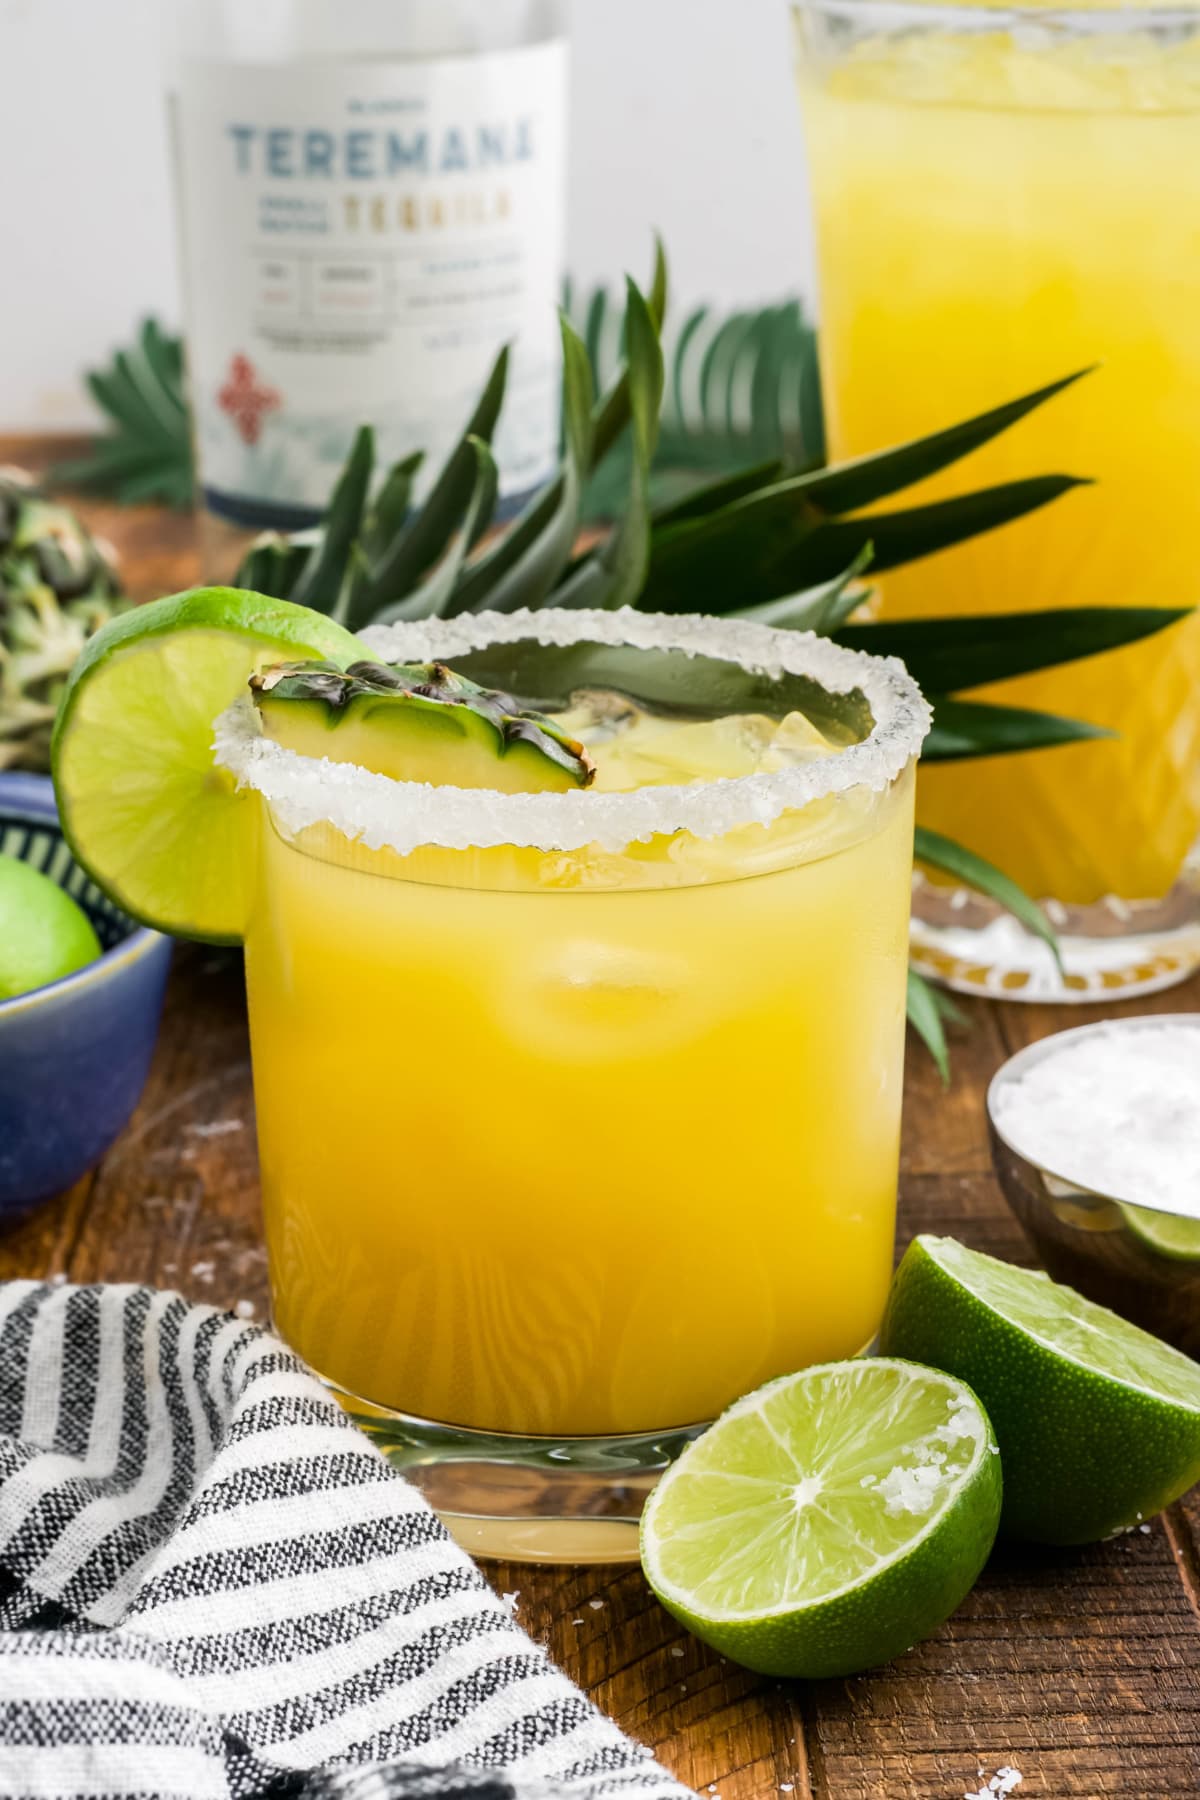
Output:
x,y
848,486
928,1007
354,593
270,566
955,859
760,403
715,494
679,362
164,355
389,511
614,573
777,542
964,728
148,455
433,597
613,409
947,655
419,548
821,609
717,369
524,564
320,583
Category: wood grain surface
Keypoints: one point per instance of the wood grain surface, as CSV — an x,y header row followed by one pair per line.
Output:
x,y
1080,1668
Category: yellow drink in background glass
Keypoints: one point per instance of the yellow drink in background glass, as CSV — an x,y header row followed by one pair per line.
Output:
x,y
1000,199
579,1145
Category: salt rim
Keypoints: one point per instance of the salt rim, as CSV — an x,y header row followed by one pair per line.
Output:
x,y
406,815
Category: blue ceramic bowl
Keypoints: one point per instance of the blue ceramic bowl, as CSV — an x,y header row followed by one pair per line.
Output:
x,y
73,1055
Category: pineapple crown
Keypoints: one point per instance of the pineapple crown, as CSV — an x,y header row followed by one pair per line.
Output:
x,y
58,585
430,682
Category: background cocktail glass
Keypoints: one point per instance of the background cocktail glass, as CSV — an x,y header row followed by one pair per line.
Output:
x,y
579,1114
1004,195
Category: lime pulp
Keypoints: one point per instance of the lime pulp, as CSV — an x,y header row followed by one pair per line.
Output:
x,y
828,1521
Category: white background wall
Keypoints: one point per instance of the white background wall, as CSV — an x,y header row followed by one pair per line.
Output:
x,y
684,117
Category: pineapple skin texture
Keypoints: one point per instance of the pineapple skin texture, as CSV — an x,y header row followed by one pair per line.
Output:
x,y
57,588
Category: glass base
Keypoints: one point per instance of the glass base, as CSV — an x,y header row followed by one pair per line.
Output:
x,y
527,1499
1116,949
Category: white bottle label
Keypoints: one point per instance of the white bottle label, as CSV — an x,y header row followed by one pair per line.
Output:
x,y
360,238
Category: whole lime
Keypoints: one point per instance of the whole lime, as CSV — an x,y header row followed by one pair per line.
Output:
x,y
44,935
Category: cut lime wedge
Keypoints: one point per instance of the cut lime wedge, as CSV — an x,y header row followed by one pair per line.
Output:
x,y
152,820
1098,1422
1164,1234
829,1521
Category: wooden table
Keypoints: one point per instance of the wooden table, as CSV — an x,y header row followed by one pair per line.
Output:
x,y
1081,1668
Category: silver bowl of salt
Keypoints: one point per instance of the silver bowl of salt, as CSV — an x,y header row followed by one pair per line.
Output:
x,y
1096,1140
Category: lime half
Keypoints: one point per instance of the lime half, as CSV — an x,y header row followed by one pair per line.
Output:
x,y
1098,1422
161,829
829,1521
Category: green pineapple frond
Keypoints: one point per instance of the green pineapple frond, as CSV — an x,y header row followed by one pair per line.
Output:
x,y
741,389
147,455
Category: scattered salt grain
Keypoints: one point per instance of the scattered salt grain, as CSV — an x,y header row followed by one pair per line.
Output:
x,y
244,1309
215,1128
677,1651
999,1787
911,1490
204,1271
595,1605
1145,1528
577,1621
510,1600
785,1787
1117,1111
57,1279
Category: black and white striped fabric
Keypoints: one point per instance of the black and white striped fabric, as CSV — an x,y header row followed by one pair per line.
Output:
x,y
212,1586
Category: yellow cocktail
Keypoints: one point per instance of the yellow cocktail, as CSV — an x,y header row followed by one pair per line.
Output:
x,y
1001,198
581,1129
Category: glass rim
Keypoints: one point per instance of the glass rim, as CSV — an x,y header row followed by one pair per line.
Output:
x,y
382,813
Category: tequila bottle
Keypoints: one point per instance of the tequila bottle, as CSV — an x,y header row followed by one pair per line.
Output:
x,y
371,198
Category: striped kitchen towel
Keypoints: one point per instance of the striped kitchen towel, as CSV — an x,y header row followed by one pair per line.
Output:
x,y
211,1585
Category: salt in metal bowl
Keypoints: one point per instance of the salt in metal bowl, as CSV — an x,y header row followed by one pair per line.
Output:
x,y
1136,1259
